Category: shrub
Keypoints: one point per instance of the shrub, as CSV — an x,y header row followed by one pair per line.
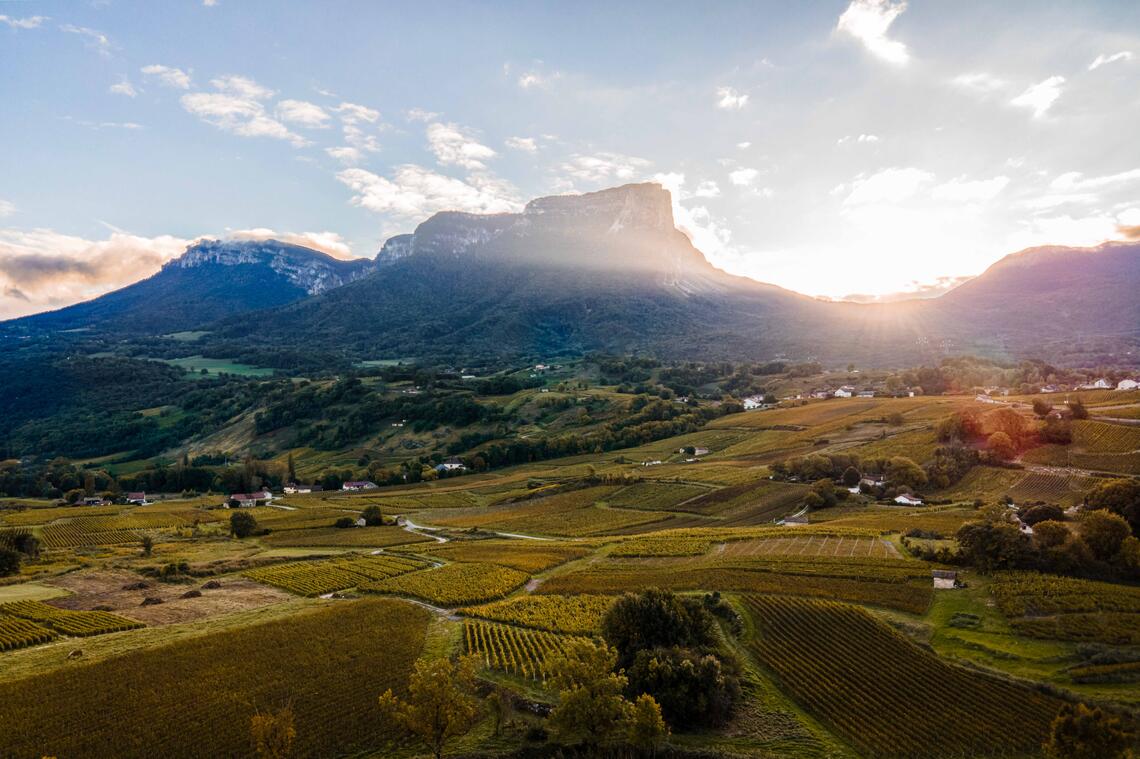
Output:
x,y
242,524
692,689
9,562
344,522
1042,513
656,619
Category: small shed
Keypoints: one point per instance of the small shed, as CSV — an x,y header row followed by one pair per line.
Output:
x,y
944,579
796,520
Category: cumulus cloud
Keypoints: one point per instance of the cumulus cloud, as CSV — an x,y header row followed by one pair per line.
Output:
x,y
743,177
42,269
28,22
888,186
414,192
744,145
1104,60
979,82
124,87
238,109
1040,97
729,99
1075,181
93,38
419,114
355,119
347,155
962,190
7,208
860,139
303,114
326,242
603,167
869,21
167,76
525,144
452,147
708,233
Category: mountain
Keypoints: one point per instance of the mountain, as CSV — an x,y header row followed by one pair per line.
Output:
x,y
212,279
608,271
602,271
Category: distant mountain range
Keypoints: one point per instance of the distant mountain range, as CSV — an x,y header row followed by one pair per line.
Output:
x,y
604,271
211,280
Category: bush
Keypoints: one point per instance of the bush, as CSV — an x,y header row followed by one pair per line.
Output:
x,y
1042,513
692,689
344,522
373,516
242,524
656,619
9,561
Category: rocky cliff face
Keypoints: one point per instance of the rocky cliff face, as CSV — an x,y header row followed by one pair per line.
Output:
x,y
312,271
619,229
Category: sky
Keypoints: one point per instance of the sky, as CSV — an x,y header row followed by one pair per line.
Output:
x,y
863,149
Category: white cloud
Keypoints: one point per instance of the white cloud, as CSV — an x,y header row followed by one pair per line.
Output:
x,y
525,144
743,145
869,21
349,156
535,78
96,40
209,3
1076,181
863,138
242,87
124,87
303,114
887,186
730,99
1104,60
708,234
28,22
419,114
414,192
42,269
961,190
353,113
707,189
168,76
7,208
743,177
1041,96
238,109
1064,230
108,124
603,167
454,148
326,242
979,82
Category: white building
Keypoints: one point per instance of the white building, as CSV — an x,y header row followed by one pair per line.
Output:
x,y
906,500
1127,384
844,392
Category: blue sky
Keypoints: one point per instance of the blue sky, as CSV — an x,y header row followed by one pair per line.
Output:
x,y
836,148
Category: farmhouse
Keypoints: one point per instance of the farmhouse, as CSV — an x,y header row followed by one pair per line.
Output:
x,y
944,579
294,488
753,402
139,498
866,394
249,500
844,392
452,464
1127,384
359,485
908,500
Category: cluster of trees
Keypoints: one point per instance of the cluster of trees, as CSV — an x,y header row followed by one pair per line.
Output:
x,y
1103,543
901,474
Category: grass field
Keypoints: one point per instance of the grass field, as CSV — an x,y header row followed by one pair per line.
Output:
x,y
215,366
195,698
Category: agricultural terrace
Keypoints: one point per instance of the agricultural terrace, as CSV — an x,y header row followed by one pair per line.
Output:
x,y
1067,608
574,615
452,584
75,623
884,693
193,697
514,650
529,556
314,578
